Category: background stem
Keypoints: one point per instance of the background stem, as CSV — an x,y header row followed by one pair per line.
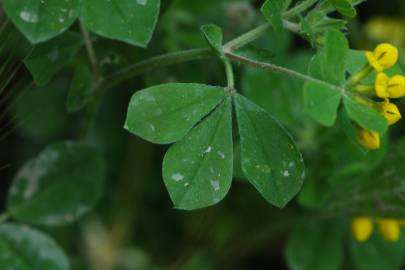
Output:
x,y
90,51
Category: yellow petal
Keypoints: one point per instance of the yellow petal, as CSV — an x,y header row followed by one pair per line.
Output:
x,y
368,139
389,229
381,85
390,112
386,55
362,227
396,86
373,61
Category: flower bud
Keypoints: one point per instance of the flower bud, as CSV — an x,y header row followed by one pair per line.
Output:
x,y
387,87
362,228
383,57
390,112
368,139
396,86
389,229
381,85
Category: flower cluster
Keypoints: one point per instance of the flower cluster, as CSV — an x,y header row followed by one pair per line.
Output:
x,y
385,87
389,228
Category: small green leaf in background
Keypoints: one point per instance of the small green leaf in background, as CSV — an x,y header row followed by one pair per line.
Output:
x,y
273,12
81,89
23,248
321,102
198,170
270,159
376,253
48,58
214,36
344,7
41,20
39,112
333,57
165,113
380,192
315,246
131,21
59,186
363,113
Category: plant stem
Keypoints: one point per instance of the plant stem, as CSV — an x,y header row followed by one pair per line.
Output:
x,y
90,51
155,62
247,37
279,70
299,8
255,33
229,75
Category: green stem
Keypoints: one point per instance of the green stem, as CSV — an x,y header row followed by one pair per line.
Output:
x,y
90,51
229,75
365,88
255,33
280,70
247,38
153,63
299,8
186,56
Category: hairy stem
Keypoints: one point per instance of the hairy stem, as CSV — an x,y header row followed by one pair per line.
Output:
x,y
229,75
301,7
279,70
247,37
255,33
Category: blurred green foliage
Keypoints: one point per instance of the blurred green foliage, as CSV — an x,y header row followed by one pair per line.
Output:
x,y
134,225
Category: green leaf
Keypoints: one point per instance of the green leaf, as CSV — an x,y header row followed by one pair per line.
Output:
x,y
376,253
315,69
214,36
48,58
23,248
315,246
379,193
344,7
333,57
59,186
131,21
273,11
165,113
363,113
270,159
81,89
44,107
321,102
198,170
41,20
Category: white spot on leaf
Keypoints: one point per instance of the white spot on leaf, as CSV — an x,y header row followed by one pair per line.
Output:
x,y
177,177
29,17
215,185
142,2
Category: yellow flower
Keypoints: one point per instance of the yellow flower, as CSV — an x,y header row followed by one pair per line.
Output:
x,y
387,87
362,227
384,56
381,85
390,229
389,111
369,139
